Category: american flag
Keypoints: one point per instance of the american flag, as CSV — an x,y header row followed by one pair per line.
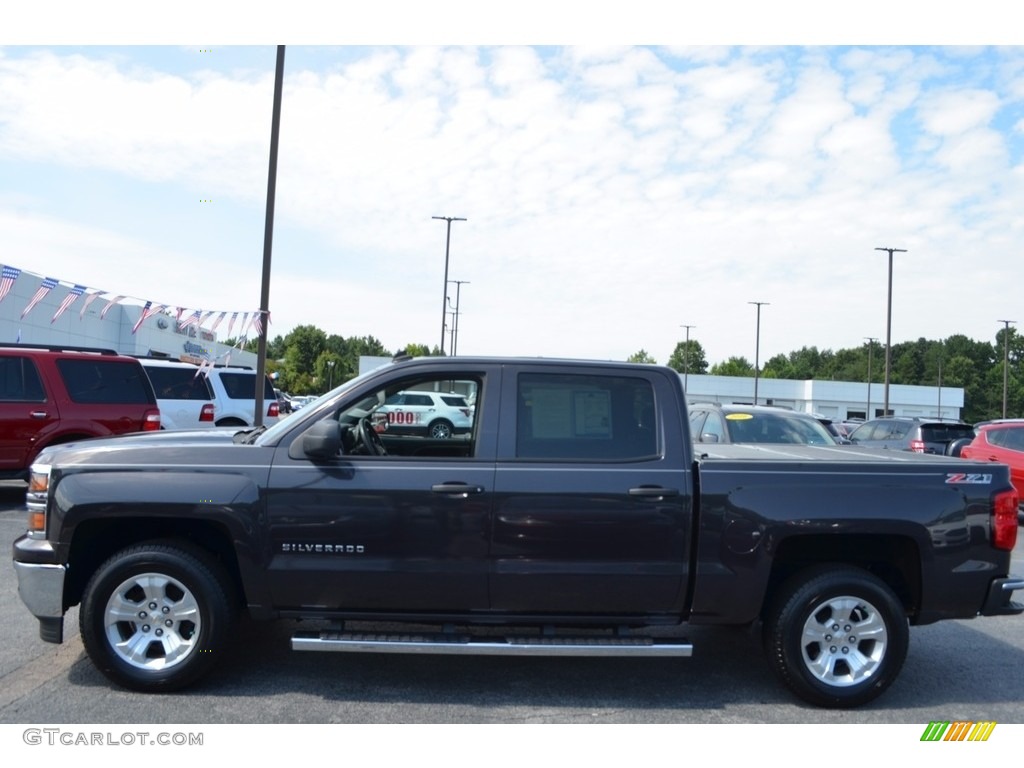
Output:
x,y
7,278
73,294
109,304
231,323
147,311
192,319
218,321
257,323
88,300
48,285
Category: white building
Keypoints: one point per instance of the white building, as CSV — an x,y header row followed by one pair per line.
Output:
x,y
158,335
836,400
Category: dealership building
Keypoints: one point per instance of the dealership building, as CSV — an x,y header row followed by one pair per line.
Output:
x,y
60,318
836,400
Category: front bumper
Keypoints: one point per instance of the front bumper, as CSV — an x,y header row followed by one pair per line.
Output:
x,y
1000,593
41,589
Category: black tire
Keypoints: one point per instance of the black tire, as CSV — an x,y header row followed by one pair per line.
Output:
x,y
157,616
956,447
836,636
440,429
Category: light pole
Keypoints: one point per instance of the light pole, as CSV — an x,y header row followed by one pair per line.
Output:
x,y
686,358
888,328
330,375
757,344
455,314
1006,360
444,293
871,343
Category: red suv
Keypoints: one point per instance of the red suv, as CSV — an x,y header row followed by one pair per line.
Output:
x,y
1001,441
51,395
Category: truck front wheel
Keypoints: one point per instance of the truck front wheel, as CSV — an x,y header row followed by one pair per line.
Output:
x,y
837,637
155,616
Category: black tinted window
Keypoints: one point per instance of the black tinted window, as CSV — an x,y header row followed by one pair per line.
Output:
x,y
585,417
945,433
112,381
178,383
242,386
19,380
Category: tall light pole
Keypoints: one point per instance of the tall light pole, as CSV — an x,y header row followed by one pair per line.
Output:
x,y
871,343
686,358
888,328
268,235
330,375
757,345
1006,361
456,313
444,293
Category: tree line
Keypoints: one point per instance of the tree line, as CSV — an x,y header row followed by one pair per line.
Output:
x,y
974,366
309,361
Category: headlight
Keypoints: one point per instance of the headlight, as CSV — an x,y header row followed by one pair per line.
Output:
x,y
35,499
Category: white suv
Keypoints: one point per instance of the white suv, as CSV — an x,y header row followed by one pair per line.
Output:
x,y
185,399
234,392
435,414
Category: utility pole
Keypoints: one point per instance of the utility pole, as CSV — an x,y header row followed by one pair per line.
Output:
x,y
1006,361
757,345
444,293
686,358
871,343
888,328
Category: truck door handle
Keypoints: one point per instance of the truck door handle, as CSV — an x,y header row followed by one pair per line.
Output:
x,y
456,489
38,414
653,492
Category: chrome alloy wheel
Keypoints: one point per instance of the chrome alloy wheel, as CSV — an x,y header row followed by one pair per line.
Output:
x,y
152,621
844,640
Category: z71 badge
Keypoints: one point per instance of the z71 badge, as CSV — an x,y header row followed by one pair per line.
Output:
x,y
969,478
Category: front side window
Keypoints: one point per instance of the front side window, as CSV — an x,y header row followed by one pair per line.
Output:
x,y
19,381
580,417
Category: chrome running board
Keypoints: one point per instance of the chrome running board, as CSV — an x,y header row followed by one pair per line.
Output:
x,y
517,645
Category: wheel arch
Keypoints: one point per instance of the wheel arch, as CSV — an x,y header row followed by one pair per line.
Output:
x,y
896,560
97,540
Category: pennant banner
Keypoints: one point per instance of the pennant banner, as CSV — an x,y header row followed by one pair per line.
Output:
x,y
48,285
7,278
73,294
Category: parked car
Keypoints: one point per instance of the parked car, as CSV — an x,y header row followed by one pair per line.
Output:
x,y
1001,441
435,414
185,398
906,433
234,393
734,423
59,394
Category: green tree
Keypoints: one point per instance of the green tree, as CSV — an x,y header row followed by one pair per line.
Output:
x,y
734,366
641,357
688,357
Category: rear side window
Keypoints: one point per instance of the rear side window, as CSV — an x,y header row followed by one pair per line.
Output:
x,y
19,381
178,383
110,381
242,386
455,401
592,417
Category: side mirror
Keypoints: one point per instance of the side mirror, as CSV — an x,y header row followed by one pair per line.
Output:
x,y
322,440
708,437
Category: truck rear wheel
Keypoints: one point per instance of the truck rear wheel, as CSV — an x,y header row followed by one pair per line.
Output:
x,y
837,637
156,616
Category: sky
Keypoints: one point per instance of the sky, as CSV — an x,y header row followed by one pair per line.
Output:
x,y
612,193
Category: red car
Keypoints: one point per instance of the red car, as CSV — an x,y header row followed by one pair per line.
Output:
x,y
1003,442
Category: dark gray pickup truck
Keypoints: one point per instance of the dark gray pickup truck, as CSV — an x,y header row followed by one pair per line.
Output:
x,y
570,518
